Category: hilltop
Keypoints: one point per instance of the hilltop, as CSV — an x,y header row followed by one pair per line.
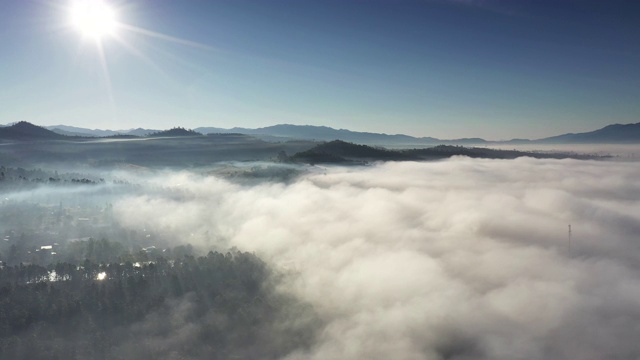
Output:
x,y
26,131
175,132
340,151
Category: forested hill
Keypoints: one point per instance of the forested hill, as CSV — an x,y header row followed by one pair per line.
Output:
x,y
177,131
27,131
340,152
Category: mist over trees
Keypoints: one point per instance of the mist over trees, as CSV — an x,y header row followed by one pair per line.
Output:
x,y
217,306
69,292
460,258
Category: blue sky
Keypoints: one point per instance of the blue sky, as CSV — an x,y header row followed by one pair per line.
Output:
x,y
448,69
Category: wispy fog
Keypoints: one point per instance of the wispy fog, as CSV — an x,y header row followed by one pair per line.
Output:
x,y
459,259
619,151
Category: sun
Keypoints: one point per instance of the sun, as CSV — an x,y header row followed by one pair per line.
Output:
x,y
93,18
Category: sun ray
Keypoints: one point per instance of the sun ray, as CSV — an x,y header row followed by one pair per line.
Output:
x,y
165,37
140,55
107,77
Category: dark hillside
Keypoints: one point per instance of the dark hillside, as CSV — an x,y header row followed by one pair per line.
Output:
x,y
340,151
343,152
26,131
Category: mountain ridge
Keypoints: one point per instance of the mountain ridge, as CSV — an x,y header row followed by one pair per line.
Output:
x,y
620,133
614,133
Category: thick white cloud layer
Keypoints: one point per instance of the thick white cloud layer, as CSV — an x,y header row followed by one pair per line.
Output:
x,y
459,259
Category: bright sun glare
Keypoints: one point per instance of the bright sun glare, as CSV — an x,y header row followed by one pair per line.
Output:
x,y
93,18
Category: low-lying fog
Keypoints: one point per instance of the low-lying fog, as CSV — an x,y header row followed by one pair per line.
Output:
x,y
456,259
460,259
622,151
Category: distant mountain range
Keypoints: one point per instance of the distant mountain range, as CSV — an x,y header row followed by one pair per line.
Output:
x,y
78,131
617,133
324,133
26,131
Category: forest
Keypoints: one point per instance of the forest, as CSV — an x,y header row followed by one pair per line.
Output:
x,y
68,292
217,306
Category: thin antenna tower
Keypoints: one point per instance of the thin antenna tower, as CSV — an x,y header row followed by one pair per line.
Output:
x,y
569,238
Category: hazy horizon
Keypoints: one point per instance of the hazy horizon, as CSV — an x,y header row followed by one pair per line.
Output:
x,y
522,146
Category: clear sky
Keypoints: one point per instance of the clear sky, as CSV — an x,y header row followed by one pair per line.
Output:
x,y
448,69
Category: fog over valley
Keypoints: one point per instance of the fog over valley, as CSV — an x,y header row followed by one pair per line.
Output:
x,y
455,259
319,180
